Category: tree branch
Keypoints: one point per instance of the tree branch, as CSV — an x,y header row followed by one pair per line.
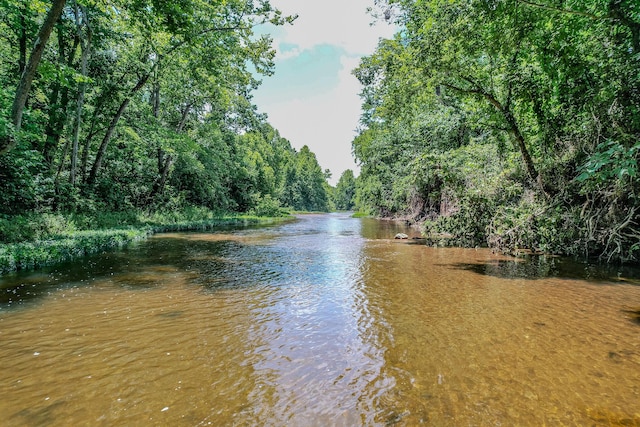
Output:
x,y
513,128
567,11
200,34
22,92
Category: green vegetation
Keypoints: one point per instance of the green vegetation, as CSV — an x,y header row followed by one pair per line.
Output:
x,y
28,255
510,123
360,215
128,107
345,191
38,240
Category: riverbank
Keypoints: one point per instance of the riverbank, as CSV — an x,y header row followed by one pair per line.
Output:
x,y
35,241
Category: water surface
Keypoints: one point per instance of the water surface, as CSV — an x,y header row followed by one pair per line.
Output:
x,y
323,321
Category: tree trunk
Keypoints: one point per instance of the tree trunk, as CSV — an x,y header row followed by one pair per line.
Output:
x,y
164,160
86,49
22,92
183,118
512,128
89,137
61,164
514,131
54,118
164,165
105,141
22,44
57,115
112,126
518,138
155,99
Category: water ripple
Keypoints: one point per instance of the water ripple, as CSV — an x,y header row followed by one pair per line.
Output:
x,y
322,321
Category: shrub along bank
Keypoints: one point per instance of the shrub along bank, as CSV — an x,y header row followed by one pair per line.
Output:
x,y
34,241
512,124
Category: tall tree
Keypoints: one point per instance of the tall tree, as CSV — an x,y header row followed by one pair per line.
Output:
x,y
466,81
22,92
345,191
82,21
217,35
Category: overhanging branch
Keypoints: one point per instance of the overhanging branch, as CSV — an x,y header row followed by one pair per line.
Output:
x,y
567,11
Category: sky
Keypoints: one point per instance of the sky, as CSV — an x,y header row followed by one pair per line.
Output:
x,y
312,99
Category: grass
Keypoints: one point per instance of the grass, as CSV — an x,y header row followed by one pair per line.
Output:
x,y
37,240
360,215
40,253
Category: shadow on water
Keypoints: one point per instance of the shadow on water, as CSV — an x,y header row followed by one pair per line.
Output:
x,y
214,264
541,267
229,265
634,315
27,287
40,416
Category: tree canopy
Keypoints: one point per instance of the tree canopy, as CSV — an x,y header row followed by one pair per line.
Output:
x,y
142,104
345,191
509,122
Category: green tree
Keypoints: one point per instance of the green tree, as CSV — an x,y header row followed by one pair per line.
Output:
x,y
311,180
345,191
143,104
28,72
554,83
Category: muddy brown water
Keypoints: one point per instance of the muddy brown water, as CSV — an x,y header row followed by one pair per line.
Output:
x,y
325,321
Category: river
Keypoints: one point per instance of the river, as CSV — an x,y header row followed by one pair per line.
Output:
x,y
322,321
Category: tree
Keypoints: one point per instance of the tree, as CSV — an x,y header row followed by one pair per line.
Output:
x,y
7,142
311,181
466,81
345,191
143,104
210,32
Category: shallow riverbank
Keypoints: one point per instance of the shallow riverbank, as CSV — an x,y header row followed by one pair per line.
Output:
x,y
38,253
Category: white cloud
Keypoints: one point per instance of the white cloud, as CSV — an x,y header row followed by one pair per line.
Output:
x,y
286,54
324,120
336,22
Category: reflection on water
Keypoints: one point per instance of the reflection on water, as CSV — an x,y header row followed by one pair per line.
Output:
x,y
323,321
542,267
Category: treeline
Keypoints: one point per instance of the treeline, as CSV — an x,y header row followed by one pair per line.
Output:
x,y
121,105
511,123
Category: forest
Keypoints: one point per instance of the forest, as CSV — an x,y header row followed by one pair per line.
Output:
x,y
140,106
508,123
123,117
512,124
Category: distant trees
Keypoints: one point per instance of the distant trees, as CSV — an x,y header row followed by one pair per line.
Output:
x,y
274,168
345,191
514,123
304,183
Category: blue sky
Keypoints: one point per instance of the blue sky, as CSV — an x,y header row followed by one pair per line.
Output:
x,y
312,98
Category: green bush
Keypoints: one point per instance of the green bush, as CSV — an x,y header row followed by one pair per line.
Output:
x,y
35,240
20,228
535,225
267,206
15,229
29,255
360,215
468,223
25,184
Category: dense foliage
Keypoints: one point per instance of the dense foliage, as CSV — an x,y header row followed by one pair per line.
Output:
x,y
142,105
42,239
345,190
512,123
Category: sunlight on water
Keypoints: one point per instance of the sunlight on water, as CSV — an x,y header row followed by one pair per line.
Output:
x,y
322,321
